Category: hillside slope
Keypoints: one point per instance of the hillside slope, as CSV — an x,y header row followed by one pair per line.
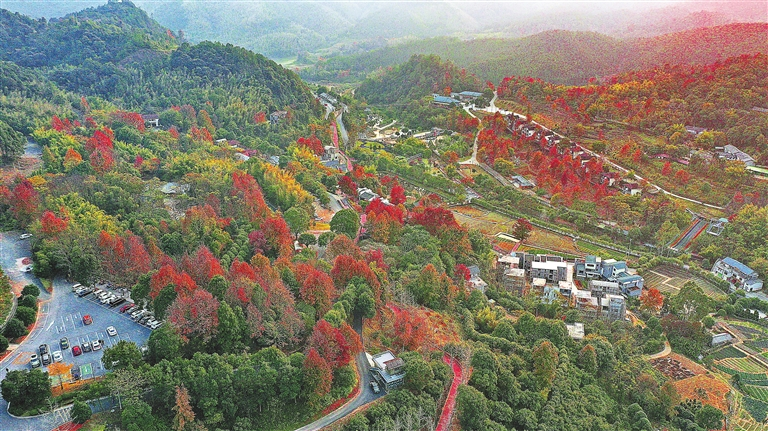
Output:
x,y
558,56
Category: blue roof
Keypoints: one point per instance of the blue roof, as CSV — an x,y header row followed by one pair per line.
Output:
x,y
471,93
590,259
624,277
443,99
738,265
523,181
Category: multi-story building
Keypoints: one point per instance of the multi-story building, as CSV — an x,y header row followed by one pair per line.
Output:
x,y
514,281
739,276
552,271
387,369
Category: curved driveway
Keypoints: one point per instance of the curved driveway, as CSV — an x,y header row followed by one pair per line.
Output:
x,y
363,397
60,316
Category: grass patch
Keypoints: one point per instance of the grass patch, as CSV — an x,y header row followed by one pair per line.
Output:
x,y
47,284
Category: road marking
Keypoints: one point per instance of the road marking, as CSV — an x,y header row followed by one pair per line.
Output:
x,y
49,326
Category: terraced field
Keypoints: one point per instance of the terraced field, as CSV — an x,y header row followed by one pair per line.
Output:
x,y
745,365
727,352
669,279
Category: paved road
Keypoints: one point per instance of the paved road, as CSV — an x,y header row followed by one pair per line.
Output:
x,y
666,351
363,397
60,316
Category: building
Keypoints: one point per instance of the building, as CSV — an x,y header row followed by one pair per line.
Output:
x,y
739,276
630,284
387,370
613,307
589,267
611,268
522,183
730,152
552,271
151,119
630,187
722,338
468,96
172,188
514,281
602,288
444,101
275,117
757,171
576,331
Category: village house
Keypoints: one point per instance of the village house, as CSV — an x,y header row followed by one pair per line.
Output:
x,y
522,183
444,101
152,120
739,276
468,96
731,152
387,369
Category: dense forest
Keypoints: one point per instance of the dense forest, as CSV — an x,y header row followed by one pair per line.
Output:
x,y
562,57
269,296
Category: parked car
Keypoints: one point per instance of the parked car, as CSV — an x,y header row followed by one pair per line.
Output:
x,y
86,347
44,348
64,343
127,307
138,313
28,268
111,331
75,373
96,345
34,361
76,287
116,302
84,291
46,358
375,387
155,324
25,236
87,319
76,351
143,319
57,357
97,291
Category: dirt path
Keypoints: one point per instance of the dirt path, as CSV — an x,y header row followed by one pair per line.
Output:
x,y
667,350
450,401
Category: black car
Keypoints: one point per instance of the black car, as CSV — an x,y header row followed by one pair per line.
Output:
x,y
75,373
116,302
46,358
64,343
86,347
44,349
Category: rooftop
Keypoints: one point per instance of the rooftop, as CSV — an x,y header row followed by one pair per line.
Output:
x,y
738,265
551,266
576,331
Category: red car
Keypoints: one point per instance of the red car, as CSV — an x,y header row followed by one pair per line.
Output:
x,y
76,351
87,319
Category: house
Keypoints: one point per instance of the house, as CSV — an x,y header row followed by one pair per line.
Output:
x,y
739,276
514,282
477,283
630,284
504,263
151,119
366,194
695,130
468,96
576,331
275,117
552,271
602,288
630,187
613,307
722,338
328,98
522,183
387,369
444,101
589,267
611,268
730,152
274,160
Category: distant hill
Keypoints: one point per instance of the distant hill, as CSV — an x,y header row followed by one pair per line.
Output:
x,y
118,52
285,29
420,76
557,56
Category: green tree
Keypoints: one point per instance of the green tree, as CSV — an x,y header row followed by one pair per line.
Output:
x,y
26,315
346,222
690,303
28,301
11,142
231,329
15,329
307,239
418,374
218,286
124,354
30,289
545,361
297,220
710,417
81,412
3,344
163,343
325,238
164,300
24,389
137,416
472,407
358,423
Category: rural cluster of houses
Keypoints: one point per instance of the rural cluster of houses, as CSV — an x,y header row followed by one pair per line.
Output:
x,y
738,275
596,287
455,99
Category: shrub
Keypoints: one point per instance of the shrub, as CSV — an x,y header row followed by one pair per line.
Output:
x,y
28,301
15,329
3,344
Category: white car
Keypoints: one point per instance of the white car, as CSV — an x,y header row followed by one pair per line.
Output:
x,y
25,236
96,344
76,287
57,356
111,331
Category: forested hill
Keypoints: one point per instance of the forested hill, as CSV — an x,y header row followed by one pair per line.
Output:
x,y
565,57
108,33
420,76
117,52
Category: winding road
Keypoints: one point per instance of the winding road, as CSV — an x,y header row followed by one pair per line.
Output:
x,y
363,397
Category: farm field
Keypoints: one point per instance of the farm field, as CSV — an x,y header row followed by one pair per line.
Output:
x,y
746,365
705,388
670,279
727,352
